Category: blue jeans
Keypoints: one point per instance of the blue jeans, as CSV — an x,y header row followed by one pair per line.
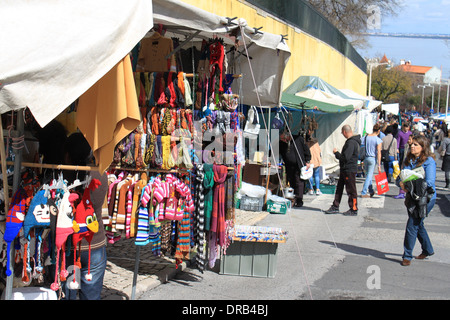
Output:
x,y
415,229
389,166
316,180
369,167
89,290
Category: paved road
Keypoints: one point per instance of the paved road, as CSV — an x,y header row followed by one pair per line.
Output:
x,y
334,257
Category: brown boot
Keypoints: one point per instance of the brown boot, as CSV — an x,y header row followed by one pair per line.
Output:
x,y
406,262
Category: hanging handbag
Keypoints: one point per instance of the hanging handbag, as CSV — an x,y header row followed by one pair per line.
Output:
x,y
277,123
252,125
362,151
385,153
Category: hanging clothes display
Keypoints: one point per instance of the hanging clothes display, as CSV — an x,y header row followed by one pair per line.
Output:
x,y
164,189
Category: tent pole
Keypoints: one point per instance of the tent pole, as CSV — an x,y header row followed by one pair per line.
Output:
x,y
4,173
9,280
16,181
267,153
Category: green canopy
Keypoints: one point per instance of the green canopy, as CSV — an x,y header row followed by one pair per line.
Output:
x,y
329,99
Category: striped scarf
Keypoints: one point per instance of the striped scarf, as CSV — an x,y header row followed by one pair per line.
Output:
x,y
200,219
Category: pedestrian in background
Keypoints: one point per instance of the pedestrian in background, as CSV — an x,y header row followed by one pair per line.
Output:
x,y
316,160
348,165
372,160
445,147
402,140
420,155
389,145
295,155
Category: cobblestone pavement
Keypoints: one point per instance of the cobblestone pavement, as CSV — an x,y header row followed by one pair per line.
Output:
x,y
118,281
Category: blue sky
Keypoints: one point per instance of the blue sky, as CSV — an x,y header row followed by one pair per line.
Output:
x,y
415,16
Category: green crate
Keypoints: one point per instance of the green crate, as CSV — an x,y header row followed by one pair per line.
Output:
x,y
278,207
327,188
252,259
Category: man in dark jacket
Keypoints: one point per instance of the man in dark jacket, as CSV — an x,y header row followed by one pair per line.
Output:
x,y
295,156
348,164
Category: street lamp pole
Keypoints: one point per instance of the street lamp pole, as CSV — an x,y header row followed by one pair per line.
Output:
x,y
423,91
371,65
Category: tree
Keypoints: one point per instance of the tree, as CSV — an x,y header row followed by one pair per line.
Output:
x,y
352,17
389,84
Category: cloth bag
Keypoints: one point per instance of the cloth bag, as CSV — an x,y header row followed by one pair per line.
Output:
x,y
306,174
382,183
252,125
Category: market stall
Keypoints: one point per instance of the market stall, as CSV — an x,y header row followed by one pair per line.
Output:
x,y
140,119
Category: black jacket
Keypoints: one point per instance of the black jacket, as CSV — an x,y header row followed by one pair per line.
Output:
x,y
290,155
417,197
348,158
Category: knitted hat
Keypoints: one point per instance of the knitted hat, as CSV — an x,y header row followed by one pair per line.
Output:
x,y
85,225
37,218
64,228
14,220
38,215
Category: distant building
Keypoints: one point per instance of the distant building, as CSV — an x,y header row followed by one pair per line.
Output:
x,y
423,73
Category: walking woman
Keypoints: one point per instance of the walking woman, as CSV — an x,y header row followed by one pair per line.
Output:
x,y
419,155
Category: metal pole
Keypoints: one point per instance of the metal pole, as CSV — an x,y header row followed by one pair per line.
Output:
x,y
432,99
136,270
446,104
423,92
16,181
370,80
439,99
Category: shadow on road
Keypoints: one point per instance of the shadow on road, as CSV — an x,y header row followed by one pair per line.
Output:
x,y
365,251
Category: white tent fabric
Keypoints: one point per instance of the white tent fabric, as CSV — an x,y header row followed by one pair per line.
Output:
x,y
53,51
265,49
391,108
317,94
370,104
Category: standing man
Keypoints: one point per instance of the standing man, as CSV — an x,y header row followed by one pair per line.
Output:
x,y
348,164
295,155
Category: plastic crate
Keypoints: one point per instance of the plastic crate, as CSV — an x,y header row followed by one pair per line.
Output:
x,y
278,207
252,259
251,203
327,188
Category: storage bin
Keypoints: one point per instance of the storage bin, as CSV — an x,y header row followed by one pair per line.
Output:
x,y
327,188
278,206
253,259
251,203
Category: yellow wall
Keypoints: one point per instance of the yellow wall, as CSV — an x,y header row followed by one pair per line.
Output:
x,y
309,56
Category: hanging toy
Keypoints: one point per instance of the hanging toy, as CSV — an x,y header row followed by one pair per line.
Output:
x,y
85,225
14,221
64,228
38,219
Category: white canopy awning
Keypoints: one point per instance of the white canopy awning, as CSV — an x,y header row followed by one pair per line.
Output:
x,y
53,51
391,108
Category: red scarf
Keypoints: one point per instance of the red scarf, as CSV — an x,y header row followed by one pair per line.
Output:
x,y
218,212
